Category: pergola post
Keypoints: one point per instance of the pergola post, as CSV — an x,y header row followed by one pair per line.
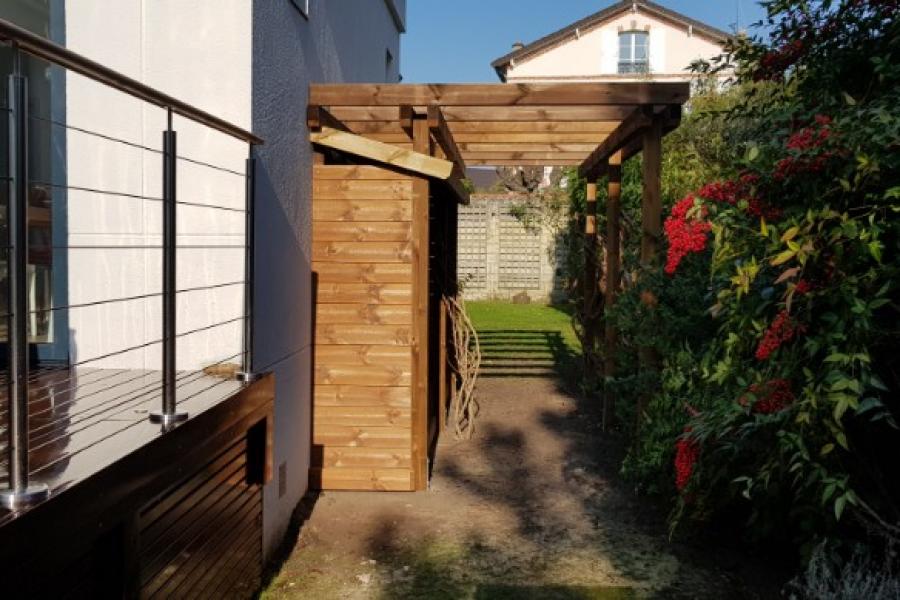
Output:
x,y
613,275
421,140
589,284
651,229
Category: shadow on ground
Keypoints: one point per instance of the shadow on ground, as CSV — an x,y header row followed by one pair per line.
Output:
x,y
531,507
524,353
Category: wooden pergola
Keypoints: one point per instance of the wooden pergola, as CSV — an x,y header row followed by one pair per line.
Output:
x,y
572,124
437,130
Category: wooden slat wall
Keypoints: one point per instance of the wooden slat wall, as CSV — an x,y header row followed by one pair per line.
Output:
x,y
204,537
363,252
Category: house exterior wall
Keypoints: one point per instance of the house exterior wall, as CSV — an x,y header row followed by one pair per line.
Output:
x,y
344,41
159,44
593,53
249,63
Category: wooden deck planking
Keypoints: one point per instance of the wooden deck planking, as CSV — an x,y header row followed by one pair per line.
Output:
x,y
75,411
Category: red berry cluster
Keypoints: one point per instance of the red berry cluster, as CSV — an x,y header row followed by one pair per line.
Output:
x,y
806,143
771,397
802,288
782,330
685,233
686,453
757,208
810,138
726,192
773,64
688,233
790,165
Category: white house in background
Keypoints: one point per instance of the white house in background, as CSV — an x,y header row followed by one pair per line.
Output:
x,y
249,63
628,41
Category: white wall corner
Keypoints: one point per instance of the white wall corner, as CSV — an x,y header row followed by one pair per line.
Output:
x,y
610,51
657,50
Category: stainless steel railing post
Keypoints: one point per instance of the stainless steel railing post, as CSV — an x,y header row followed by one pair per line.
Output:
x,y
169,413
247,373
19,492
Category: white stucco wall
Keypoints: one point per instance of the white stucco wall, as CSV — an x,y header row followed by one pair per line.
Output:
x,y
593,53
198,52
341,41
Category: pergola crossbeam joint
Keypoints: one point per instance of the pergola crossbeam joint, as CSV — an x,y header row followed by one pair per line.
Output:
x,y
437,124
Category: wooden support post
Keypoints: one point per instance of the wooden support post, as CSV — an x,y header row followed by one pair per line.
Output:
x,y
443,366
420,345
407,114
651,228
589,285
613,275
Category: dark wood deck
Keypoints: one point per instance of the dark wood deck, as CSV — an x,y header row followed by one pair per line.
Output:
x,y
134,510
82,418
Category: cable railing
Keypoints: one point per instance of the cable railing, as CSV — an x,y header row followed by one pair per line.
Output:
x,y
33,246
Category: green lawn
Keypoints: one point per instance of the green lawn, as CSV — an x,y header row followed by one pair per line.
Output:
x,y
523,317
521,340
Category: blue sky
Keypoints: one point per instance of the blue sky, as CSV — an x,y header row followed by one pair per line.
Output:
x,y
455,41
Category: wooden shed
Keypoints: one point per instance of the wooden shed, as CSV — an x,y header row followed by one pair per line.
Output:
x,y
386,184
383,254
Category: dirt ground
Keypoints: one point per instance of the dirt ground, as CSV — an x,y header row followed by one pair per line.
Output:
x,y
529,508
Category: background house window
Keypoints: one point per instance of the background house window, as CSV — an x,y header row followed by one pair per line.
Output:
x,y
634,52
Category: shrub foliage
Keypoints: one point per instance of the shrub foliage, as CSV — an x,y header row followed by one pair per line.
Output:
x,y
777,318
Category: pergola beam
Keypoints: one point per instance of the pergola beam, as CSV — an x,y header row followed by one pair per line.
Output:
x,y
533,126
641,118
483,127
444,138
502,114
671,119
526,94
527,162
384,153
547,139
531,155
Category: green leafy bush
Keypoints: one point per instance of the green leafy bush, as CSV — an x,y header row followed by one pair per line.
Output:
x,y
777,315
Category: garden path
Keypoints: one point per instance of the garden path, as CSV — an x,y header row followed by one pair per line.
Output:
x,y
529,508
